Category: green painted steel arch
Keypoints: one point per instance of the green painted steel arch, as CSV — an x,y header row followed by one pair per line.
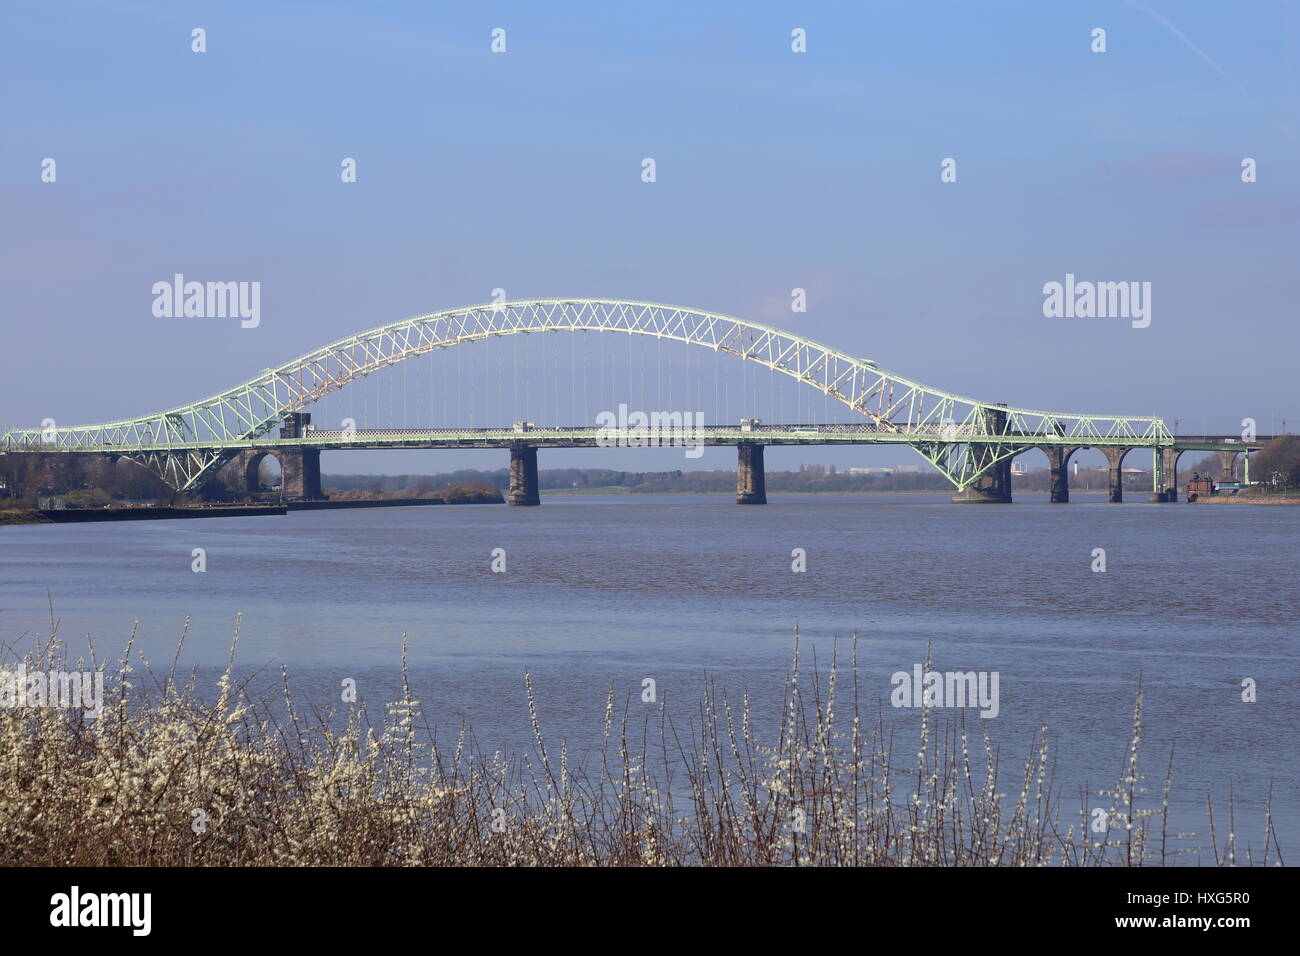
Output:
x,y
895,403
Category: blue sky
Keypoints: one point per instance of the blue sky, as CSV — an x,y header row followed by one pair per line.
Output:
x,y
774,170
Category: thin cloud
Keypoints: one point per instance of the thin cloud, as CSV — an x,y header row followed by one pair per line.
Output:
x,y
1160,18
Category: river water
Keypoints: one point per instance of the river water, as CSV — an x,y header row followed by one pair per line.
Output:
x,y
610,590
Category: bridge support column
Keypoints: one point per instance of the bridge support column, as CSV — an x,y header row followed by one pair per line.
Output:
x,y
1115,459
993,486
1169,472
751,482
523,475
299,467
1158,494
1058,463
1227,464
300,474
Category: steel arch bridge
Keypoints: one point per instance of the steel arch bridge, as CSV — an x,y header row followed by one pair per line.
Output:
x,y
964,438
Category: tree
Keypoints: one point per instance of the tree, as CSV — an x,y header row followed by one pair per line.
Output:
x,y
21,474
1277,464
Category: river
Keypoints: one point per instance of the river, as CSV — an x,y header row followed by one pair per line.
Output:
x,y
610,590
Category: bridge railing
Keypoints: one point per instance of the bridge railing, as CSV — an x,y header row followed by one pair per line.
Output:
x,y
935,433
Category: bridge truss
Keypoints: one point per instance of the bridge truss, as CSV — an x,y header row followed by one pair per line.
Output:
x,y
964,438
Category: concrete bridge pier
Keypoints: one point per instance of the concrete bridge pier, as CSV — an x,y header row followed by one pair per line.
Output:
x,y
1164,485
1227,464
299,468
1058,463
1115,459
751,482
1169,472
300,474
523,475
994,485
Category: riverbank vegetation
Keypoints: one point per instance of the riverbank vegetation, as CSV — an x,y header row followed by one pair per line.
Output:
x,y
1277,465
11,516
167,777
808,479
448,494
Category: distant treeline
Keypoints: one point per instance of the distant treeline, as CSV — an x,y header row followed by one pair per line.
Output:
x,y
809,478
469,477
25,477
813,479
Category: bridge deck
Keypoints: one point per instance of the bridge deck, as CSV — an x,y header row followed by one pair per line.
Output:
x,y
709,435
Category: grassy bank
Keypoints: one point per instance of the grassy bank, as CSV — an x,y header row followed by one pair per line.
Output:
x,y
164,778
452,495
22,516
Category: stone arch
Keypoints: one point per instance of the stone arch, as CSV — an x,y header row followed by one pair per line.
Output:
x,y
252,468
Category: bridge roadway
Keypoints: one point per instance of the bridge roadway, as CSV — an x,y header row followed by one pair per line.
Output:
x,y
299,445
868,433
712,435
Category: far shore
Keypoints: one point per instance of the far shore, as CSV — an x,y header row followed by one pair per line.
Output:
x,y
1249,500
621,490
1131,495
16,516
19,516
